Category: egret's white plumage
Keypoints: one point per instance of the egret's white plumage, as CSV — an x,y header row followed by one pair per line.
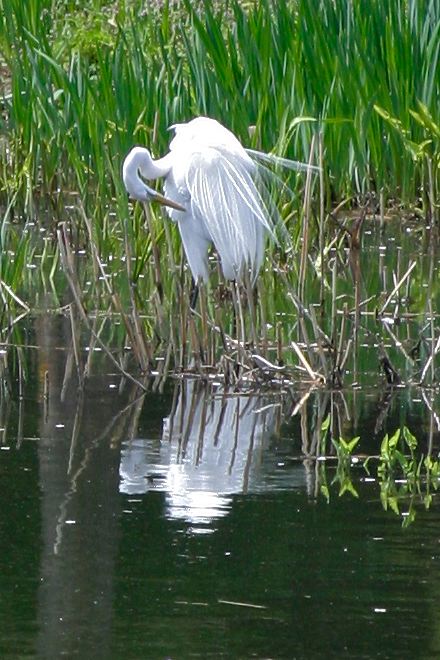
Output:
x,y
211,194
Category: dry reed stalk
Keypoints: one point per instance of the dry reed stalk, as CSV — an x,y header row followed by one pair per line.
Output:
x,y
213,345
305,224
239,317
396,275
117,427
249,457
46,396
313,375
174,403
183,330
69,271
219,328
431,194
303,312
305,335
172,351
133,326
202,430
279,344
264,344
13,295
341,336
11,322
20,423
164,371
133,421
334,271
340,357
397,287
92,343
75,344
336,373
155,251
140,345
382,210
321,217
195,346
305,427
185,426
204,348
398,344
318,338
68,370
346,354
76,429
252,311
21,382
435,347
430,406
169,242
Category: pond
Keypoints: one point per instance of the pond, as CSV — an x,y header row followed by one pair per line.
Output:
x,y
255,475
198,521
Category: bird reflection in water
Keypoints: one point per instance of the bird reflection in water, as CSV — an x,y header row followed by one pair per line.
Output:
x,y
212,447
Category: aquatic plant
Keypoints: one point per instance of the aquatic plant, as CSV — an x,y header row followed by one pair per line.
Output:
x,y
406,476
295,77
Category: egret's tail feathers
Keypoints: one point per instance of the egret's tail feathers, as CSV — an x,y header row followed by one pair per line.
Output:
x,y
272,189
226,200
283,162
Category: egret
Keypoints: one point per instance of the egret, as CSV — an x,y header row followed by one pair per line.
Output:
x,y
211,193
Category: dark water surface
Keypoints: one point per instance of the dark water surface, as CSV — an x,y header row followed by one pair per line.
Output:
x,y
191,523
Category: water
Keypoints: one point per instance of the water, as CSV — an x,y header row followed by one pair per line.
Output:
x,y
199,521
192,523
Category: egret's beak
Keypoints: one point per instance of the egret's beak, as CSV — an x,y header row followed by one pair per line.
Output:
x,y
157,197
154,196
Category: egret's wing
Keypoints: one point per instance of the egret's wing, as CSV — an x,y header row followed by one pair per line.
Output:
x,y
283,162
225,198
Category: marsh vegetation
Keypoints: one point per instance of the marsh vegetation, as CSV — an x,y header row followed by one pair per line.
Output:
x,y
348,297
355,92
187,433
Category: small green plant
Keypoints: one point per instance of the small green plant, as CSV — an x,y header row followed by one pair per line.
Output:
x,y
405,476
344,452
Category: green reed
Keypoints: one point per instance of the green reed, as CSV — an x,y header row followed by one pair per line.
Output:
x,y
289,69
84,86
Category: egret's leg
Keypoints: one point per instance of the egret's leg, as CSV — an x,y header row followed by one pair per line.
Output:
x,y
194,294
233,285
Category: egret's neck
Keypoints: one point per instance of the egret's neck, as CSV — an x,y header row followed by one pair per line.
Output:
x,y
139,161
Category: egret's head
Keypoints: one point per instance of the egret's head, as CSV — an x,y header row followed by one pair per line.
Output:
x,y
137,162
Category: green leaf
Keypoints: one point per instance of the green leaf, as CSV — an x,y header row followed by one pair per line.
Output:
x,y
325,491
424,118
325,424
410,439
392,442
393,503
347,486
384,445
409,518
352,444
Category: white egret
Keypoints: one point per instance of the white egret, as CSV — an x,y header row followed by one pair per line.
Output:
x,y
210,192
